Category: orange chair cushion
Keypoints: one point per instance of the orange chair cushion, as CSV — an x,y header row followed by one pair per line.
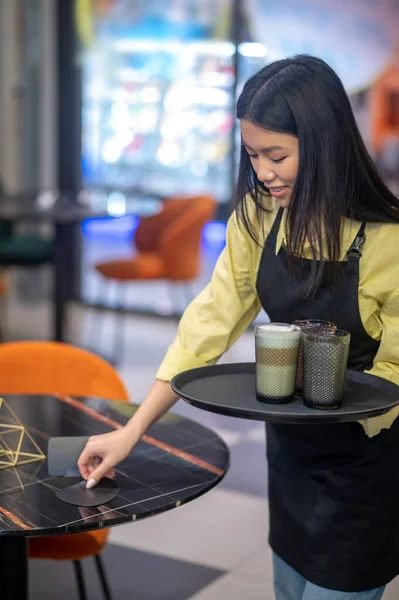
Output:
x,y
145,266
56,368
73,546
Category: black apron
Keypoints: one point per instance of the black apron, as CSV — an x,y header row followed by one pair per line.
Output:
x,y
333,491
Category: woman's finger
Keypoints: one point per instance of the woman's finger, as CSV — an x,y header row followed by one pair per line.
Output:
x,y
85,461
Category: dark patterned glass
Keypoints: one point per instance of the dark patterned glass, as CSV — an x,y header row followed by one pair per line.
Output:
x,y
325,359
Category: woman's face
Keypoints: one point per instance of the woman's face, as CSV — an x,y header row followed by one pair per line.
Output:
x,y
274,157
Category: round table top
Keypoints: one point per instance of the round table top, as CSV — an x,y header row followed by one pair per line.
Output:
x,y
176,461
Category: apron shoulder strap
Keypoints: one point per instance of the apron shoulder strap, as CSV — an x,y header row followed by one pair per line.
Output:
x,y
356,249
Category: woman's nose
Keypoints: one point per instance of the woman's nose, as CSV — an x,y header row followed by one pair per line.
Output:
x,y
264,174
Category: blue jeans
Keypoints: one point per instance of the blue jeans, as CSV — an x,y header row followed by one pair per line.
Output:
x,y
290,585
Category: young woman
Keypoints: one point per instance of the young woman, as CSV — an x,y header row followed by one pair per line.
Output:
x,y
315,235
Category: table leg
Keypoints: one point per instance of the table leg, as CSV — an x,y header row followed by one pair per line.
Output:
x,y
13,567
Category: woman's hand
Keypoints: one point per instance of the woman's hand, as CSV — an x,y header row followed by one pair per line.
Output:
x,y
102,453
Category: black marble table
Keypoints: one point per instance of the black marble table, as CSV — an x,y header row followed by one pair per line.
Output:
x,y
177,461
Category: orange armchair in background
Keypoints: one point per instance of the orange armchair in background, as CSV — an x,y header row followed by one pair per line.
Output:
x,y
51,368
168,245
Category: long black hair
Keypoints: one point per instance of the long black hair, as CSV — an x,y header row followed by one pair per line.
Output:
x,y
303,96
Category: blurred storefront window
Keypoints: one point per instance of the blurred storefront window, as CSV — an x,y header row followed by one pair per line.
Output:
x,y
158,101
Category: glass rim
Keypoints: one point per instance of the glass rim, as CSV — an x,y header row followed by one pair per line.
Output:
x,y
272,328
334,333
313,323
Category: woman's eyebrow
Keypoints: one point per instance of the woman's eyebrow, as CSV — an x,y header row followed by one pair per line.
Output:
x,y
267,149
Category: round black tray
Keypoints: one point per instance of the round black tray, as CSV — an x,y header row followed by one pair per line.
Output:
x,y
229,389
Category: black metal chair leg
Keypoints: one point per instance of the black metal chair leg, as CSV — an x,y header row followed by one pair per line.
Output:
x,y
102,576
120,325
95,319
80,580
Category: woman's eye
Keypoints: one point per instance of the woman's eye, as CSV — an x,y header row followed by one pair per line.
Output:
x,y
252,155
278,160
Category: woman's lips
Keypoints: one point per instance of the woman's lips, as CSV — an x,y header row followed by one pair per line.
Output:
x,y
278,192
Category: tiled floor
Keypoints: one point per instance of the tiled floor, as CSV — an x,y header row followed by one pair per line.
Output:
x,y
214,548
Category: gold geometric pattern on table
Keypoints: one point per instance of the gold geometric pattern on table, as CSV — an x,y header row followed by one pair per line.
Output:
x,y
17,447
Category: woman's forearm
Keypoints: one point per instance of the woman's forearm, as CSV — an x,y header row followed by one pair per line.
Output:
x,y
158,401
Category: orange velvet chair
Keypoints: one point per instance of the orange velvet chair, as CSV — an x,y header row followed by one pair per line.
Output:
x,y
51,368
168,246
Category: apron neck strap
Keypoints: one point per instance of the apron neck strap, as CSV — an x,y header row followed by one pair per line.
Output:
x,y
356,249
354,252
272,237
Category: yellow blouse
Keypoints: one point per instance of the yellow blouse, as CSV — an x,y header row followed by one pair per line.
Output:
x,y
229,303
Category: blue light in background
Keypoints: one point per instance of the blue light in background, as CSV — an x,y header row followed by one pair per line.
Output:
x,y
214,235
123,228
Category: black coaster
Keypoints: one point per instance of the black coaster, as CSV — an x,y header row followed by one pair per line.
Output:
x,y
105,491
